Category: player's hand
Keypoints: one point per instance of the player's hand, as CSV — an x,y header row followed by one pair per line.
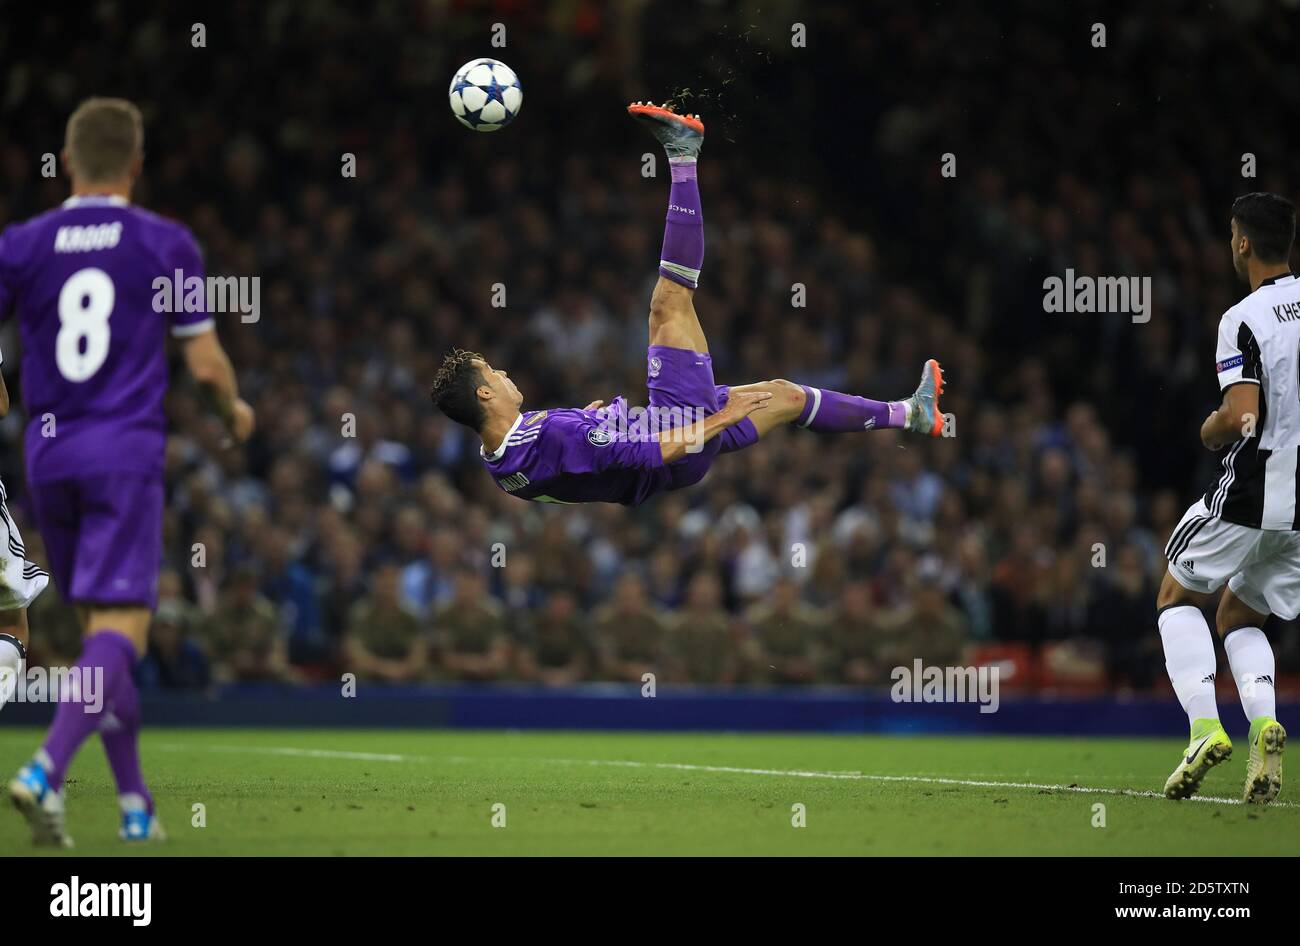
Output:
x,y
741,405
242,421
593,405
1208,436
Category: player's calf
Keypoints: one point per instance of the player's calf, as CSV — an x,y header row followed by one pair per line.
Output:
x,y
673,322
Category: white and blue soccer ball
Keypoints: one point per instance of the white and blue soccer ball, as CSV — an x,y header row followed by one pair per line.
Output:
x,y
485,95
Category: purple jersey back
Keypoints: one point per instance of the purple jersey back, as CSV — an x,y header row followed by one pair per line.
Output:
x,y
568,455
94,369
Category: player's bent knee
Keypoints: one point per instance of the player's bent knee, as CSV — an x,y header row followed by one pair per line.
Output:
x,y
789,393
788,398
1233,613
130,621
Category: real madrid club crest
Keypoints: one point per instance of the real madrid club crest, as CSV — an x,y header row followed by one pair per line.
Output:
x,y
598,437
655,365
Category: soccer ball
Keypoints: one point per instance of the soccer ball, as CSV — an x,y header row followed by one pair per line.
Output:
x,y
485,95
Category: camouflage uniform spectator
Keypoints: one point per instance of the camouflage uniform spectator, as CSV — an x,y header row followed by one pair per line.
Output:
x,y
470,630
243,635
384,640
630,632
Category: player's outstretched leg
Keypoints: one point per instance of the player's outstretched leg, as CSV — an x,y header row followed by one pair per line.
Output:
x,y
107,701
832,412
673,321
120,729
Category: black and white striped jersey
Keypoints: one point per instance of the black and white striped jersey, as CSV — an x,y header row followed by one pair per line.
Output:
x,y
1259,343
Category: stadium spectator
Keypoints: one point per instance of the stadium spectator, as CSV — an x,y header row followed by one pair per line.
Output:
x,y
557,652
175,659
385,641
788,637
927,628
629,632
470,633
701,645
243,633
853,639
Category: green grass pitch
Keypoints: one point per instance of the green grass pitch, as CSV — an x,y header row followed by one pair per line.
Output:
x,y
350,792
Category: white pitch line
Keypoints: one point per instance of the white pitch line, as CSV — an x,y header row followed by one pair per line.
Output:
x,y
719,769
308,753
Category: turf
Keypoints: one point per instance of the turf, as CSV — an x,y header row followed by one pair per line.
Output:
x,y
349,792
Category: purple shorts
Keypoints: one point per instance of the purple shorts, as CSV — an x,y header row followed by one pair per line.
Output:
x,y
680,378
103,536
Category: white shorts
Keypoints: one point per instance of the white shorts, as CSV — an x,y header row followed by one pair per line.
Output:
x,y
1260,566
20,580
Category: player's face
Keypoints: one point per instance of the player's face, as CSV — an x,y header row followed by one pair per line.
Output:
x,y
1238,261
499,383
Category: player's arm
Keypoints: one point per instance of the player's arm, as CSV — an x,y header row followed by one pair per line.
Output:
x,y
212,371
4,397
1236,417
1237,363
677,443
576,445
204,357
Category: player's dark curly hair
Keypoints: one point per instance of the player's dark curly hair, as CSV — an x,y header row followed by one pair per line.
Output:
x,y
1269,221
455,388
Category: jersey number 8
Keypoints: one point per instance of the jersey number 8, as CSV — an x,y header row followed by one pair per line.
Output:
x,y
85,303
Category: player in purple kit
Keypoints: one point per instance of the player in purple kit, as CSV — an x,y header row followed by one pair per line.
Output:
x,y
626,455
81,279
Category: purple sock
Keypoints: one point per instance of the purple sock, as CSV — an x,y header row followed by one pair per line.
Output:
x,y
80,712
683,251
120,733
830,412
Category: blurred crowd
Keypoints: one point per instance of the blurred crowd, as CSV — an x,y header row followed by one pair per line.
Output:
x,y
358,531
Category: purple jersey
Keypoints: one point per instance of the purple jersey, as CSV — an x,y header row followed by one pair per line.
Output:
x,y
94,371
568,455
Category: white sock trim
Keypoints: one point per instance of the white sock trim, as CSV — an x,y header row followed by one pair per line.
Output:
x,y
817,403
684,271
